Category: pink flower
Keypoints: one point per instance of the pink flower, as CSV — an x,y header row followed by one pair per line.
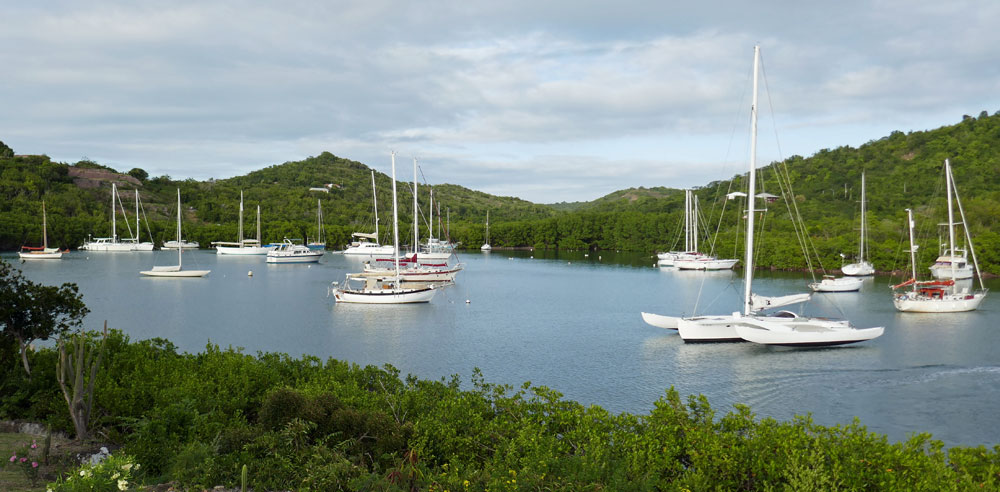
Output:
x,y
13,458
33,445
34,464
23,460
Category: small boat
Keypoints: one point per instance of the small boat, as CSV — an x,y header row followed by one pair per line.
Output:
x,y
320,241
486,246
173,244
411,270
789,329
113,243
44,252
243,247
692,259
366,244
289,252
829,283
175,271
382,290
862,267
941,295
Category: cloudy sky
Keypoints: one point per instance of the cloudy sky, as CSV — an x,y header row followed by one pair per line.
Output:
x,y
545,100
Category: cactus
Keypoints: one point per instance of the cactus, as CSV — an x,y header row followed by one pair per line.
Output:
x,y
80,366
243,479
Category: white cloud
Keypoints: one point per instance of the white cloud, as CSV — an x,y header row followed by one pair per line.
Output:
x,y
520,98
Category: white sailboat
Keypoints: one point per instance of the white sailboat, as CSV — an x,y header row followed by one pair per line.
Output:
x,y
486,246
434,252
692,259
943,295
113,243
862,267
780,328
175,271
44,252
243,246
320,241
379,290
365,244
830,283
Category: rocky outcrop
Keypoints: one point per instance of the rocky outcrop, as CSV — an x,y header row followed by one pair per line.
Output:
x,y
93,178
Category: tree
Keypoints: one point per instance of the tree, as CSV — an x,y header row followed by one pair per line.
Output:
x,y
30,311
138,173
5,151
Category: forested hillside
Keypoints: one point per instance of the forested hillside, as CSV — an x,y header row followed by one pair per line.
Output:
x,y
904,170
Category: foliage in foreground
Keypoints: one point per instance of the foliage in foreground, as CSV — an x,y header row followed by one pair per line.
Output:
x,y
306,424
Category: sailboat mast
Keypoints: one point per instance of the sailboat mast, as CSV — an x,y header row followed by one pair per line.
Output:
x,y
687,220
375,205
45,233
752,192
180,245
864,232
913,249
416,223
241,218
395,220
114,218
137,216
258,226
951,216
694,221
430,220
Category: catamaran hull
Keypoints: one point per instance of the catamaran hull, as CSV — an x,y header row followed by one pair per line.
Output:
x,y
707,329
117,247
660,321
805,335
908,303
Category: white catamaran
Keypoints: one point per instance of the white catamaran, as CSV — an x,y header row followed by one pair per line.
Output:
x,y
780,328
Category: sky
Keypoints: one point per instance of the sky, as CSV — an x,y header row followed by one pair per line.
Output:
x,y
548,101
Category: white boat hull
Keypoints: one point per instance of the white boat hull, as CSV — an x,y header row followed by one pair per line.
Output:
x,y
386,296
944,272
374,251
183,245
244,251
843,284
804,334
705,264
950,303
485,247
40,255
116,247
701,329
299,258
175,273
862,269
660,321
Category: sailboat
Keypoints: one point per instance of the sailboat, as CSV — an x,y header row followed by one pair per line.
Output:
x,y
486,246
434,252
382,290
863,267
175,270
320,242
692,259
44,252
779,328
942,295
243,246
367,244
113,243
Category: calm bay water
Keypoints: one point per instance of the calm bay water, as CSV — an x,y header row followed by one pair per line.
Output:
x,y
572,323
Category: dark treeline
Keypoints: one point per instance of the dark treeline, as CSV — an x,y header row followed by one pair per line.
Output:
x,y
904,170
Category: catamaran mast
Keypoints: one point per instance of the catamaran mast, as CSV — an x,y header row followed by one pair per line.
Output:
x,y
751,194
913,248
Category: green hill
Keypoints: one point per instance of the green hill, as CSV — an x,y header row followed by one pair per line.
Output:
x,y
903,171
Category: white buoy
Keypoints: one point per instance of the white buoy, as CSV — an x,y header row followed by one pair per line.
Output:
x,y
250,273
467,301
